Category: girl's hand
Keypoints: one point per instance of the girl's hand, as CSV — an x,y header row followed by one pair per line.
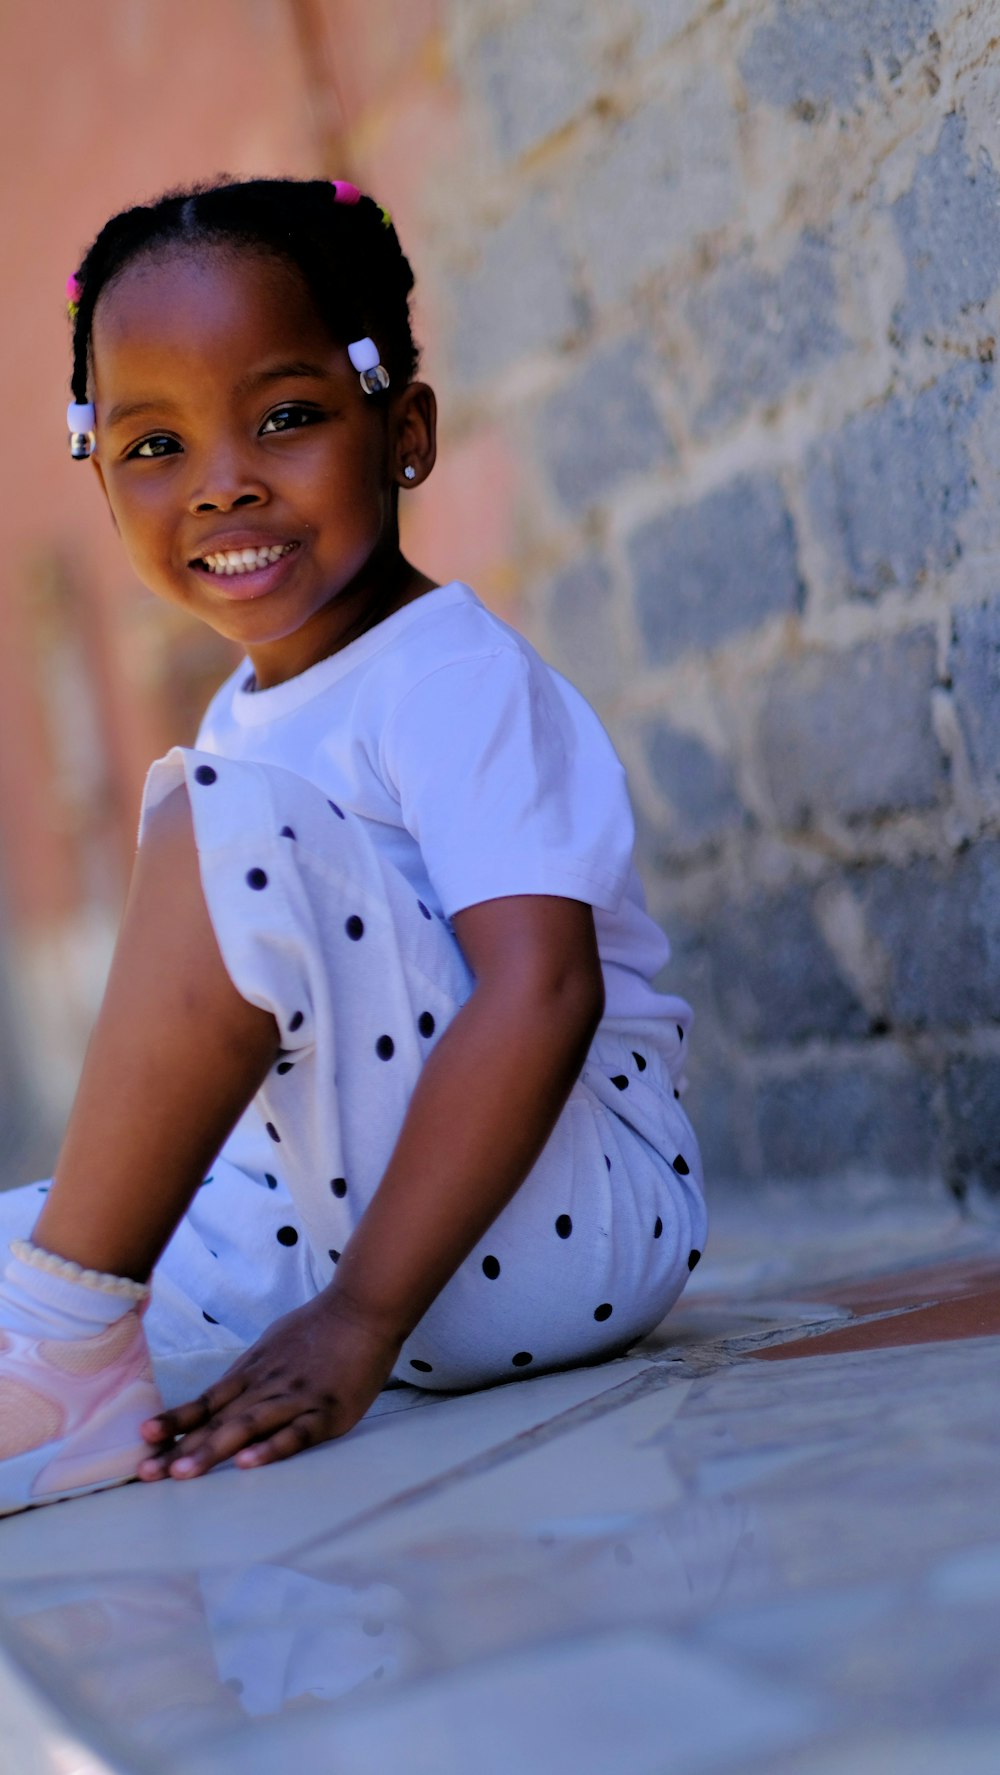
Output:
x,y
311,1376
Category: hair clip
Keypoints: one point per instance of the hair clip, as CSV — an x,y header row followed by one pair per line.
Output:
x,y
364,356
74,290
80,417
344,191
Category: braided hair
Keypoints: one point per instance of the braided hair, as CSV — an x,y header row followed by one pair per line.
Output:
x,y
348,255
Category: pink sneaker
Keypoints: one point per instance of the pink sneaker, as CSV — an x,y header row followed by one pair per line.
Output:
x,y
70,1412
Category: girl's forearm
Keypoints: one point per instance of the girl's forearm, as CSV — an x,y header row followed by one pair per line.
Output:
x,y
484,1106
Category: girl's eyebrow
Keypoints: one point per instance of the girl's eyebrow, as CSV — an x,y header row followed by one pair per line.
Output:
x,y
299,368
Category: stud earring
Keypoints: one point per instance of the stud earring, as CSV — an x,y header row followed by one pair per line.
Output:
x,y
410,472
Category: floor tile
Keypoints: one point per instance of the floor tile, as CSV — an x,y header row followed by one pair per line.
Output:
x,y
629,1702
611,1465
232,1514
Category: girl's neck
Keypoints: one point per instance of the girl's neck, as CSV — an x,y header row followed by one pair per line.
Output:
x,y
358,608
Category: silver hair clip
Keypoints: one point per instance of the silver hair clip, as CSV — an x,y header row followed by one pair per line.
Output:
x,y
364,356
80,417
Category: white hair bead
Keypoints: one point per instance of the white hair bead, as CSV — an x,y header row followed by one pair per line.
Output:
x,y
363,354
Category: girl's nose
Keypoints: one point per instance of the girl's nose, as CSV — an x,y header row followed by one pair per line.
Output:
x,y
224,488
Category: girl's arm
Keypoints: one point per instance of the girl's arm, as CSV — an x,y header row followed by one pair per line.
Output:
x,y
483,1107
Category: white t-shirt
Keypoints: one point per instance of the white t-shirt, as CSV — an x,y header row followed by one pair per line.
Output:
x,y
481,771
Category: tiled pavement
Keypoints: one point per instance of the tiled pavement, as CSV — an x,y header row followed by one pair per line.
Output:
x,y
713,1555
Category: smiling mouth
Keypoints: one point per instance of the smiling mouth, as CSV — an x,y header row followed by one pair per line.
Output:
x,y
249,560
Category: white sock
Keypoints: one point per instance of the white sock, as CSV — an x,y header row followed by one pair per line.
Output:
x,y
43,1295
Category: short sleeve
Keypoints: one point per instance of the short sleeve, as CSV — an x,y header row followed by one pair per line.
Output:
x,y
509,783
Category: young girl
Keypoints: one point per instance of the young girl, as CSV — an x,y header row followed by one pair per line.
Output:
x,y
380,1088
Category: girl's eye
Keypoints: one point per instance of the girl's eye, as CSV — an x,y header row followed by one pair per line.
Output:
x,y
290,418
159,445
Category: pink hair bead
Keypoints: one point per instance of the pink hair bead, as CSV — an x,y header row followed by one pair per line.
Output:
x,y
74,288
345,192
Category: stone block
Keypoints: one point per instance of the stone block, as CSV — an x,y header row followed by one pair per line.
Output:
x,y
775,327
972,1097
519,300
602,426
975,669
581,625
851,734
948,225
866,1120
718,1111
706,572
814,53
697,786
939,928
661,180
775,981
886,491
540,68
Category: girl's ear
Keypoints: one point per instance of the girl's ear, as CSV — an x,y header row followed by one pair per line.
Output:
x,y
99,472
414,434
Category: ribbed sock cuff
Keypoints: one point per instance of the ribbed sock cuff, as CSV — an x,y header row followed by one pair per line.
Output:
x,y
48,1296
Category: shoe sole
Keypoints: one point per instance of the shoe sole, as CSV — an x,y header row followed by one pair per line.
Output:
x,y
61,1497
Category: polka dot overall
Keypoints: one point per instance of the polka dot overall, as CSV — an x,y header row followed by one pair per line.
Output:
x,y
318,927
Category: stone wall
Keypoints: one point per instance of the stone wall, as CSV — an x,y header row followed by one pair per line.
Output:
x,y
724,280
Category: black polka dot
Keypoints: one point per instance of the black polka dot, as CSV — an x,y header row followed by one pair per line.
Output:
x,y
204,1181
604,1311
257,879
658,1228
385,1047
339,1186
286,1235
355,927
286,832
680,1032
564,1226
205,774
607,1161
491,1268
296,1020
425,1023
208,1316
620,1081
693,1258
284,1066
522,1359
43,1188
272,1130
423,909
639,1060
422,1367
676,1093
334,1256
271,1181
681,1165
336,810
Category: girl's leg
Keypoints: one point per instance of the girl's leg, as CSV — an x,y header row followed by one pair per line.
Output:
x,y
175,1057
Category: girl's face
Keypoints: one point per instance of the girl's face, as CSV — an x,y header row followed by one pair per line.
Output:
x,y
229,420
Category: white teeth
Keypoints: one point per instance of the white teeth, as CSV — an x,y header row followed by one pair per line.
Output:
x,y
245,560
